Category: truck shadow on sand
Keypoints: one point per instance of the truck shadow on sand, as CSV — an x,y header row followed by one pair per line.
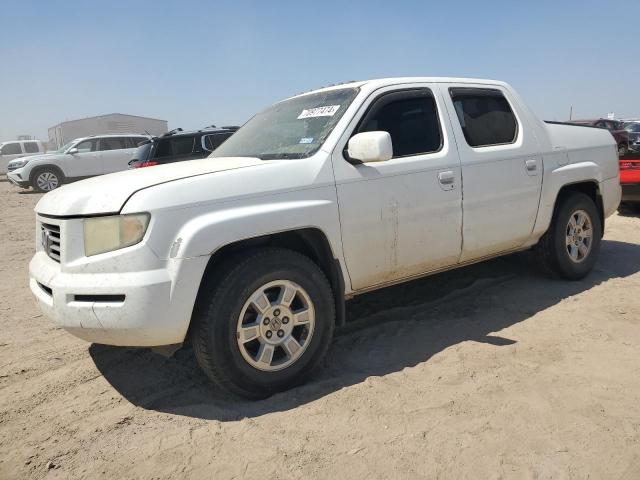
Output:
x,y
386,331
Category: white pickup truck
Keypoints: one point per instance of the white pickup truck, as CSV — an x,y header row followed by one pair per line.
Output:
x,y
251,253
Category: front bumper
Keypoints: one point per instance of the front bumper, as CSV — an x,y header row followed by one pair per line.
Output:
x,y
141,308
16,178
631,192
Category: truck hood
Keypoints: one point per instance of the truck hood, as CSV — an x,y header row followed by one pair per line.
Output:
x,y
108,193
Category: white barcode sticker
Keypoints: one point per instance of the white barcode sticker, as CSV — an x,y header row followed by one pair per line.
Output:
x,y
326,111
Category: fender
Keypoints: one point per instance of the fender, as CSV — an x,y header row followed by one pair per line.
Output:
x,y
210,231
553,182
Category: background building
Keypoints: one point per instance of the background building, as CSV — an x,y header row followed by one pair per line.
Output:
x,y
103,124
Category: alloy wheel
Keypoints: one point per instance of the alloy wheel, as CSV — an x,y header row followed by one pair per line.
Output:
x,y
275,325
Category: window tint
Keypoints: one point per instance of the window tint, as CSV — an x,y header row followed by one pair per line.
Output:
x,y
485,116
112,144
134,142
410,117
30,147
211,142
86,146
175,146
11,149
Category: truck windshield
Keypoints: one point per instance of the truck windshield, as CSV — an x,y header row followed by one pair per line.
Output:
x,y
291,129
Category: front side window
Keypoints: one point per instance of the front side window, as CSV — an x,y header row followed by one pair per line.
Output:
x,y
410,117
113,143
485,116
86,146
291,129
30,147
11,149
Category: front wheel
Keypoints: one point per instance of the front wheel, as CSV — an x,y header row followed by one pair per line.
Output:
x,y
263,323
570,247
46,179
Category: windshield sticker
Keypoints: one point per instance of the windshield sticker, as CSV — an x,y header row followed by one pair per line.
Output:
x,y
306,140
327,111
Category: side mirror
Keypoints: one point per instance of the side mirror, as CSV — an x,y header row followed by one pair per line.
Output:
x,y
370,147
72,151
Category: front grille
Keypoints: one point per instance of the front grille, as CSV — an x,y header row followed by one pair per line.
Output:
x,y
51,240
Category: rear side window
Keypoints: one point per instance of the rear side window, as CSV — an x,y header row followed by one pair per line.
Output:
x,y
134,142
112,144
410,117
485,116
11,149
211,142
30,147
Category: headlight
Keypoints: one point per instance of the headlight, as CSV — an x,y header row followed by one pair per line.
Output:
x,y
104,234
18,163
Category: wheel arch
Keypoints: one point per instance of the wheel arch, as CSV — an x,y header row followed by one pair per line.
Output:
x,y
47,166
311,242
591,188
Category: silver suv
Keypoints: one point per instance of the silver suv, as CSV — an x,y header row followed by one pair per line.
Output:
x,y
81,158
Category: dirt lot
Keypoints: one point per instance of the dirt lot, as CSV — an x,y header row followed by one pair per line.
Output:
x,y
493,371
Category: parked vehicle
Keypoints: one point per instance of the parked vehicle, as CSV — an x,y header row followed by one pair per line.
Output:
x,y
252,251
178,146
615,127
633,129
17,149
630,180
81,158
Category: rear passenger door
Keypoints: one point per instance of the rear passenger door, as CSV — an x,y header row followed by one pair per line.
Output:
x,y
401,217
115,152
501,168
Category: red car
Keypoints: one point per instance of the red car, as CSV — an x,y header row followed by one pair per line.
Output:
x,y
630,179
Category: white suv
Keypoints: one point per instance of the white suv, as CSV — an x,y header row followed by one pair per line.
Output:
x,y
78,159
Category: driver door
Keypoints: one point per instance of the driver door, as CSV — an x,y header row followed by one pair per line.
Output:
x,y
85,162
403,217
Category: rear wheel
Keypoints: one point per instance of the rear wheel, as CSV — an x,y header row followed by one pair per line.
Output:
x,y
623,150
46,179
570,247
264,323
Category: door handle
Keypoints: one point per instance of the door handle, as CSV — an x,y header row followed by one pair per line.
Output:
x,y
531,164
447,177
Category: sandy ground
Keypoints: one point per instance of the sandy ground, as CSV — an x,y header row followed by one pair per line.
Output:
x,y
492,371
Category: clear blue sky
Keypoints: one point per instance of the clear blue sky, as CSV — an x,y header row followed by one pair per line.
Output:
x,y
197,63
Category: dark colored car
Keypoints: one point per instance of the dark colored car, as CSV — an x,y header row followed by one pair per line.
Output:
x,y
614,126
178,146
634,135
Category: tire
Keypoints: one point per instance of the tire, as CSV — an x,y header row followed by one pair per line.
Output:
x,y
249,357
623,150
554,252
46,179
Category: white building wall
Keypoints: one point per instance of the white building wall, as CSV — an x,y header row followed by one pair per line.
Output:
x,y
105,124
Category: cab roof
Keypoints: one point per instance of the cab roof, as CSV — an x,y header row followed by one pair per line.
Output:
x,y
384,82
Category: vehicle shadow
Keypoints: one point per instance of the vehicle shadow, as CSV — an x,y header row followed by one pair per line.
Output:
x,y
626,210
387,331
